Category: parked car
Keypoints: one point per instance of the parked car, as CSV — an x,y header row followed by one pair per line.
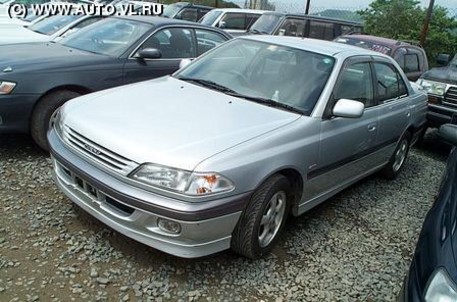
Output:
x,y
186,11
235,21
432,275
218,155
441,86
37,78
411,58
301,25
46,29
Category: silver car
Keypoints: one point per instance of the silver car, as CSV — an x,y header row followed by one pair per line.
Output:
x,y
218,155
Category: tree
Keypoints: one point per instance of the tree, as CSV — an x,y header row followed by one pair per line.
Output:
x,y
403,20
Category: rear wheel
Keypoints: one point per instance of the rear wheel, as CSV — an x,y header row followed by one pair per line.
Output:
x,y
41,115
263,219
398,159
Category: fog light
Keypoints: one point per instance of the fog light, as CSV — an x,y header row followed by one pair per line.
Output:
x,y
169,226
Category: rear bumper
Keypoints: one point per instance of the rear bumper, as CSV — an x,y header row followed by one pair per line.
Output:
x,y
439,115
15,112
206,227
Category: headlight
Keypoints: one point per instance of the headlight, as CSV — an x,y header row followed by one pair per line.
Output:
x,y
432,87
441,288
194,184
6,87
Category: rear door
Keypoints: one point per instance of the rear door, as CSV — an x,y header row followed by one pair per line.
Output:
x,y
346,143
393,99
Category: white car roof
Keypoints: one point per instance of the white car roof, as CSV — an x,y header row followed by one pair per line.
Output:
x,y
320,46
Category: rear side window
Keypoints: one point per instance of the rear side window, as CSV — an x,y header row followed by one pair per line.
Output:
x,y
321,30
233,21
390,84
411,62
207,40
292,27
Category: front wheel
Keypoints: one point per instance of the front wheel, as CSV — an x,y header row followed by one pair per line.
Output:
x,y
39,122
263,219
398,159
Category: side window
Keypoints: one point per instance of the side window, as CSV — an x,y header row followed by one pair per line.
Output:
x,y
188,14
174,43
411,62
321,30
250,19
399,56
292,27
390,84
207,40
202,12
233,21
355,83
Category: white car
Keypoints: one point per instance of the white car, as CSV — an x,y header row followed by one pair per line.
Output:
x,y
44,30
233,20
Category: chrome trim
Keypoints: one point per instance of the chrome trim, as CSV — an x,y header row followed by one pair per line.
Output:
x,y
97,153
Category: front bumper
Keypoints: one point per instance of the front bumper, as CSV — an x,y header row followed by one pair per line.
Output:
x,y
206,227
15,112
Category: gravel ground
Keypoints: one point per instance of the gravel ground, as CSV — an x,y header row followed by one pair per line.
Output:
x,y
355,247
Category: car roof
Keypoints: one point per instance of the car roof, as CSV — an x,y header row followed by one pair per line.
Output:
x,y
314,17
379,40
240,10
157,21
319,46
183,4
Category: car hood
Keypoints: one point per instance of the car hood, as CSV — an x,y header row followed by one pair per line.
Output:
x,y
170,122
41,56
20,34
446,74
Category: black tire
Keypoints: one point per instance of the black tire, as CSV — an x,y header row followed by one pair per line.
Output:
x,y
246,236
39,122
398,158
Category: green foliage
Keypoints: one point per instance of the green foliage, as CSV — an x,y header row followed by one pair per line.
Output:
x,y
221,3
404,20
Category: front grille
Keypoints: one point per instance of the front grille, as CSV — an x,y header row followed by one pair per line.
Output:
x,y
98,153
451,96
96,195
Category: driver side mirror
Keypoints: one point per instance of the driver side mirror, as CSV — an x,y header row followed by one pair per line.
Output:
x,y
184,63
222,24
348,108
149,53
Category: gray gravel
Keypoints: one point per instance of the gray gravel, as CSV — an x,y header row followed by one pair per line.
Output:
x,y
355,247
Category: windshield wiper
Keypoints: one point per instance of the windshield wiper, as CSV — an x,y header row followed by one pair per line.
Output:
x,y
265,101
208,84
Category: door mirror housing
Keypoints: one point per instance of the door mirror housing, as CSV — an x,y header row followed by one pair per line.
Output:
x,y
448,132
443,59
222,24
150,53
348,108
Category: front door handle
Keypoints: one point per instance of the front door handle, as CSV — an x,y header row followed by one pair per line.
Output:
x,y
372,127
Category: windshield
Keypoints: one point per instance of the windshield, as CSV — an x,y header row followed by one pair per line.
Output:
x,y
52,24
172,10
111,36
365,44
265,24
210,17
252,69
